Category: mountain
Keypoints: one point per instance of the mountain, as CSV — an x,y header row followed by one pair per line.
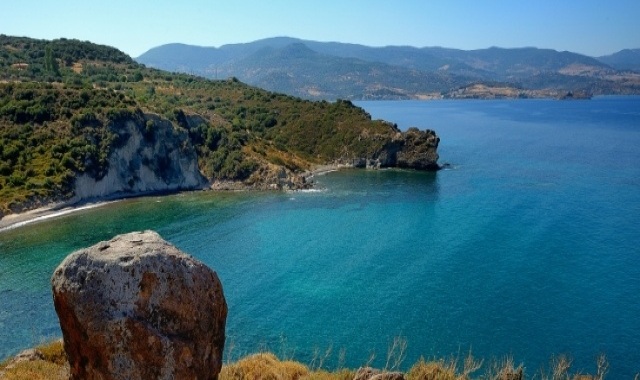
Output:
x,y
288,65
330,70
81,121
627,59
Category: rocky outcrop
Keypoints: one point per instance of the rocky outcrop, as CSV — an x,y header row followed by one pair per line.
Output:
x,y
273,177
151,155
368,373
413,149
419,150
136,307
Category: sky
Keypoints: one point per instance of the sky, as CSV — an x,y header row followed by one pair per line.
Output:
x,y
590,27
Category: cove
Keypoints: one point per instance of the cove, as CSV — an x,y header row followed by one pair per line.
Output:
x,y
526,246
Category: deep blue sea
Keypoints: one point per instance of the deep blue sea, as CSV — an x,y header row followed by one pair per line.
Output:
x,y
527,246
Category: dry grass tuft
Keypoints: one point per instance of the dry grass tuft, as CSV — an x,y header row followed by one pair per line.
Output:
x,y
45,362
53,352
36,370
264,366
433,370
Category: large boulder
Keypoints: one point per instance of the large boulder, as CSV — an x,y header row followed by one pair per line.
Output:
x,y
136,307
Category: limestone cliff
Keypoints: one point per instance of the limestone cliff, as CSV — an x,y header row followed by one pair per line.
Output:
x,y
151,155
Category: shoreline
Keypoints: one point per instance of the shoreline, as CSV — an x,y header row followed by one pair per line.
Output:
x,y
13,221
55,210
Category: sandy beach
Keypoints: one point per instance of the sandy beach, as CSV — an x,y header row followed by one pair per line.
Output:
x,y
12,221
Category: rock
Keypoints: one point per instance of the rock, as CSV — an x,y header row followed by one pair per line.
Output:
x,y
419,150
158,159
365,373
136,307
388,376
368,373
274,177
412,149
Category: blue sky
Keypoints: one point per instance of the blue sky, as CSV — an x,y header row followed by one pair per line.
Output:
x,y
591,27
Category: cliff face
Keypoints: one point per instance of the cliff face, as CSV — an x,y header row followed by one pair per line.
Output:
x,y
413,149
416,150
151,155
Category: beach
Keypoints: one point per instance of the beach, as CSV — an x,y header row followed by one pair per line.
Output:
x,y
54,210
11,221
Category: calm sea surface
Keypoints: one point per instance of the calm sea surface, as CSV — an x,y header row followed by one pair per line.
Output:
x,y
528,246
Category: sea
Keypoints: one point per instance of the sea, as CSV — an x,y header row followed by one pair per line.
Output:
x,y
525,247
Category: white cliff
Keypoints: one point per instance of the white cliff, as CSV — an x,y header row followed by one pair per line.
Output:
x,y
152,156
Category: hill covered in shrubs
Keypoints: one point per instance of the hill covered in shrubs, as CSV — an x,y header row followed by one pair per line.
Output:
x,y
64,105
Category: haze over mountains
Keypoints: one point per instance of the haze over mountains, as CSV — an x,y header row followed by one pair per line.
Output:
x,y
627,59
330,70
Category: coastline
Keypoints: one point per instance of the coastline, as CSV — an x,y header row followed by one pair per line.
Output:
x,y
55,210
13,221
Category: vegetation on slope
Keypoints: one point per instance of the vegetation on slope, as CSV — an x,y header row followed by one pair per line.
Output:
x,y
61,101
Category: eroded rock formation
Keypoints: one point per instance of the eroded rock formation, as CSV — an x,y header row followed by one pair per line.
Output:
x,y
412,149
151,156
135,307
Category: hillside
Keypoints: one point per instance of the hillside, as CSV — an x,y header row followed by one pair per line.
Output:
x,y
330,70
74,112
627,59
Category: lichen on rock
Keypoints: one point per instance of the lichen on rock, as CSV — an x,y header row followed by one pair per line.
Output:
x,y
136,307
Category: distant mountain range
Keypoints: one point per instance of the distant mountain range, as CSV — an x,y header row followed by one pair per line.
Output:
x,y
330,70
627,59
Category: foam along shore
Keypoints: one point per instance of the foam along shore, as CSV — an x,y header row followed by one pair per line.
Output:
x,y
12,221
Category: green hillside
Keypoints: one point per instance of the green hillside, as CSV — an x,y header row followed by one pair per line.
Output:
x,y
61,102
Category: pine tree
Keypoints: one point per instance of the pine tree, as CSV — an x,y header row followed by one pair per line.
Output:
x,y
50,62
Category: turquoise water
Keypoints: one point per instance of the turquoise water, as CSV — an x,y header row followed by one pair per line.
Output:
x,y
528,246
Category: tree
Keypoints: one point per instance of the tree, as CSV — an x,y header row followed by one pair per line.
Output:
x,y
50,63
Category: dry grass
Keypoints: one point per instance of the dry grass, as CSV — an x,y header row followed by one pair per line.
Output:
x,y
432,370
263,366
48,362
53,352
36,370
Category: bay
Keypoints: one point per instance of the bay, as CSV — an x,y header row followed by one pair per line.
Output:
x,y
527,245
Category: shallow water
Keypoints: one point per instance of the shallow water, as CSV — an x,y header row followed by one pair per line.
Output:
x,y
528,246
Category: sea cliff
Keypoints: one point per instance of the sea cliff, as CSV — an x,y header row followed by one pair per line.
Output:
x,y
156,159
